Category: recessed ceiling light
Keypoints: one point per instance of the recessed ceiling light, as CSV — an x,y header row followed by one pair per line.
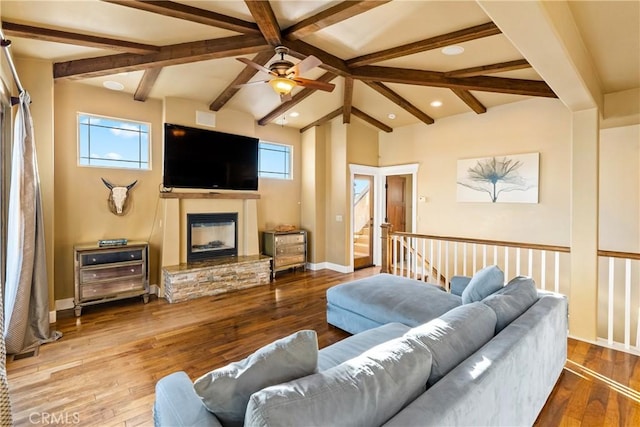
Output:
x,y
391,116
436,103
452,50
294,114
110,84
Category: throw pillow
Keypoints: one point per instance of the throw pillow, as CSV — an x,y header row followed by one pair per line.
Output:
x,y
512,300
482,284
226,391
454,336
364,391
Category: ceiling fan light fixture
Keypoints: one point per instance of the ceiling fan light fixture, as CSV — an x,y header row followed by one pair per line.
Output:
x,y
282,85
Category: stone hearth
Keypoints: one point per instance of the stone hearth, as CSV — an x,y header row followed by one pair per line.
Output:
x,y
187,281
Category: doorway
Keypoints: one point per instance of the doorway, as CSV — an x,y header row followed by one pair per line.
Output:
x,y
363,204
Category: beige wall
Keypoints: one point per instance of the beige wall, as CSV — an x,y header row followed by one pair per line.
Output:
x,y
362,144
81,210
82,215
537,125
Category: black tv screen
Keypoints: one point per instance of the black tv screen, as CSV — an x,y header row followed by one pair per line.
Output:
x,y
198,158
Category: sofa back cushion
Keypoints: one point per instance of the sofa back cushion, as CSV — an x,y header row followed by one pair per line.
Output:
x,y
483,283
454,336
226,391
512,300
364,391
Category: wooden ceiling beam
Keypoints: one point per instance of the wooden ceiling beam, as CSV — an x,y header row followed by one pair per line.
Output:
x,y
49,35
297,98
331,16
146,83
245,75
470,100
348,100
482,70
300,50
467,34
266,20
168,55
367,118
438,79
400,101
332,115
190,13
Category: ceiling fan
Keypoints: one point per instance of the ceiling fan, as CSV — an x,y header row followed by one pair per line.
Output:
x,y
286,74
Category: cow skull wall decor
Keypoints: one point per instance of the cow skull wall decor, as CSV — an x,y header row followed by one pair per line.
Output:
x,y
118,200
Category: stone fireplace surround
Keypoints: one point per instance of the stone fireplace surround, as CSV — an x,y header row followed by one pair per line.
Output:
x,y
181,280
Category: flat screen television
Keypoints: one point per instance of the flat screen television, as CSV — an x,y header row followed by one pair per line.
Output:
x,y
199,158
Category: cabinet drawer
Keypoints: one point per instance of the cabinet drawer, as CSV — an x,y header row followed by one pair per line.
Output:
x,y
290,250
289,239
284,260
105,257
104,289
121,271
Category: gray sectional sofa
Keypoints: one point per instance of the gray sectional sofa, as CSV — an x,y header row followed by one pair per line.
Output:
x,y
419,356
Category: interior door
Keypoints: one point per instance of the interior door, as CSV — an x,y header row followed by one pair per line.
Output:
x,y
363,205
396,203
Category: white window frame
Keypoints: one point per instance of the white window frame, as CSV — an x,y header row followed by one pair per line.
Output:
x,y
285,177
118,119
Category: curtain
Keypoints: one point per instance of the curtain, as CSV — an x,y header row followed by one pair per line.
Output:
x,y
6,417
26,305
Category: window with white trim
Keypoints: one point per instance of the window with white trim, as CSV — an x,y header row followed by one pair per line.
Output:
x,y
113,143
274,160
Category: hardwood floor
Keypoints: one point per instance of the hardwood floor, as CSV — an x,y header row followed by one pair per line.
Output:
x,y
102,372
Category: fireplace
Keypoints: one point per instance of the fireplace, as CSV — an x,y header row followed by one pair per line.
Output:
x,y
211,235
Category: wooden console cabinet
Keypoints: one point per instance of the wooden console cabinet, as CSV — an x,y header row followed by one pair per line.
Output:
x,y
109,273
288,249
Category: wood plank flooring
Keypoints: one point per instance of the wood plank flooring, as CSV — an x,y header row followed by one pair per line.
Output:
x,y
102,372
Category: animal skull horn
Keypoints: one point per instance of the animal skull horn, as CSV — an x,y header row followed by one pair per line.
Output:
x,y
118,196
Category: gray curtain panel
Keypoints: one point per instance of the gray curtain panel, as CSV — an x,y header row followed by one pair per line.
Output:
x,y
26,308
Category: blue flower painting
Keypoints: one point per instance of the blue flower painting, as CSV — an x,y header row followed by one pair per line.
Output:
x,y
507,179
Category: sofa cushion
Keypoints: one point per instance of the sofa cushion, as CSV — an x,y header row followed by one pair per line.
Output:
x,y
226,391
364,391
512,300
455,335
385,298
483,283
357,344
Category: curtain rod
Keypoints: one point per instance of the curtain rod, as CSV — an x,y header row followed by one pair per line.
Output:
x,y
5,43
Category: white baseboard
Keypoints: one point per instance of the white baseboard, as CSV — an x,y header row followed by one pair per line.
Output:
x,y
64,304
52,317
330,266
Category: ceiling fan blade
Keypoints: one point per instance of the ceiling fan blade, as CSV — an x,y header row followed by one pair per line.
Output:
x,y
256,66
251,83
314,84
305,65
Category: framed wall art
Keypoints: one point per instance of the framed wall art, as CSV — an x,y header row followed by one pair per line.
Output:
x,y
499,179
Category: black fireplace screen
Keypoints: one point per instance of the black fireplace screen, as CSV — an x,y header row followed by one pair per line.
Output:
x,y
211,235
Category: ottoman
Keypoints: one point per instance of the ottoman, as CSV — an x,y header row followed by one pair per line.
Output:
x,y
367,303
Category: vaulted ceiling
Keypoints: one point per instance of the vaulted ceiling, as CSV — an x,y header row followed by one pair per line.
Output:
x,y
385,57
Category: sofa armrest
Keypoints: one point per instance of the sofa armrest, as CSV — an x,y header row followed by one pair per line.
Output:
x,y
177,404
458,283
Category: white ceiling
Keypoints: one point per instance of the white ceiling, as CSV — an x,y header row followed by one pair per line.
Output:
x,y
610,31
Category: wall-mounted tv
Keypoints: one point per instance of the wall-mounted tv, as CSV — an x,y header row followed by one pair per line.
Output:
x,y
198,158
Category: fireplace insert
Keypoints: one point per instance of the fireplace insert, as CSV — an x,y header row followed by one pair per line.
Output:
x,y
211,236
